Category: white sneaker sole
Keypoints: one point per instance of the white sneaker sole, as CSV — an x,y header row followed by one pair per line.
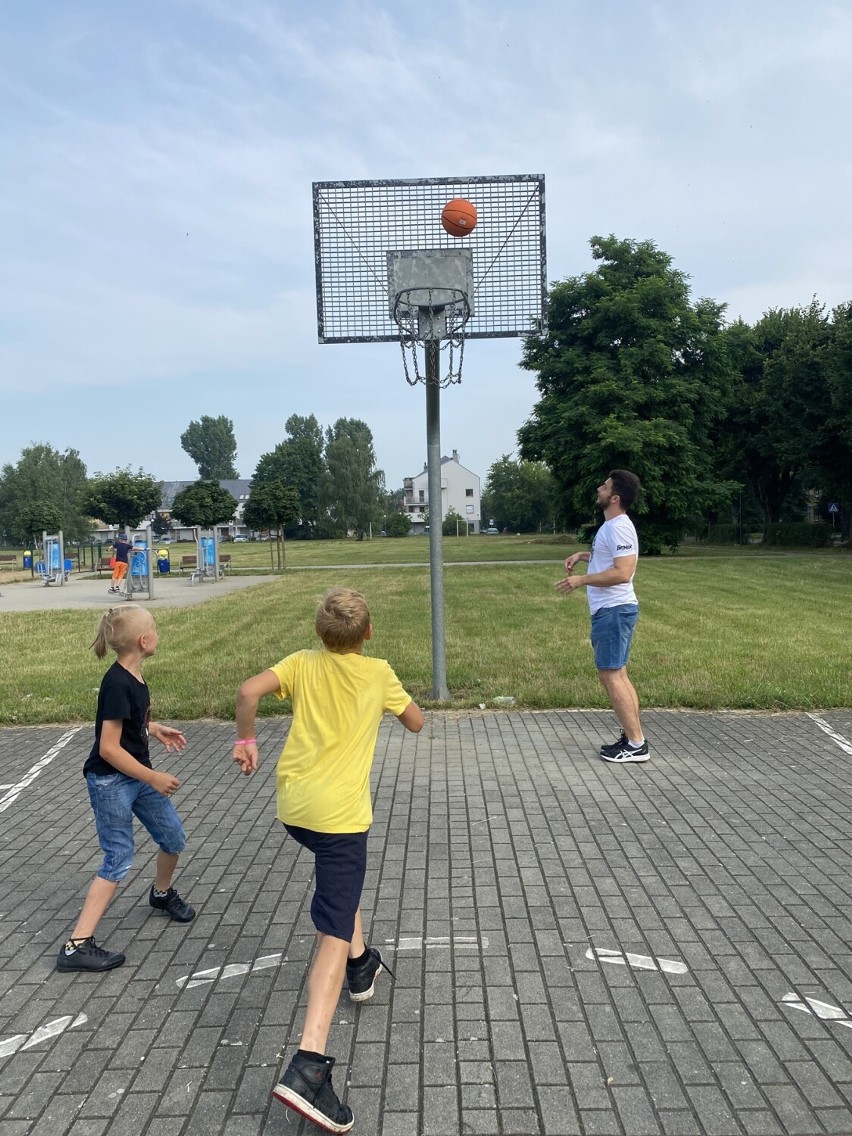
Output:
x,y
626,758
291,1099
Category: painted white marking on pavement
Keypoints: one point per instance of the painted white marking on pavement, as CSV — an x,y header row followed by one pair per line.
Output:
x,y
43,1033
219,973
835,737
14,791
823,1010
437,942
638,962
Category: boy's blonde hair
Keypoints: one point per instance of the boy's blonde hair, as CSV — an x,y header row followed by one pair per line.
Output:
x,y
343,619
120,627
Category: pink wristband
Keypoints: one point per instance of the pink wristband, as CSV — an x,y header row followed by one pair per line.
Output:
x,y
245,741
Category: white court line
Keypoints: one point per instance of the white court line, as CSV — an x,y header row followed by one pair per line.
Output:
x,y
217,973
835,737
823,1010
43,1033
638,962
14,791
437,942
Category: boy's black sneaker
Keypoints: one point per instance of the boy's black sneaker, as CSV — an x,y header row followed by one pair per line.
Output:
x,y
306,1088
627,753
87,955
361,980
614,747
175,907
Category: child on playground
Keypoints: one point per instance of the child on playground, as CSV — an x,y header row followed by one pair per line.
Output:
x,y
121,550
323,787
122,784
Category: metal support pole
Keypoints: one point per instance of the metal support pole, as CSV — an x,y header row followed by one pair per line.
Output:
x,y
436,562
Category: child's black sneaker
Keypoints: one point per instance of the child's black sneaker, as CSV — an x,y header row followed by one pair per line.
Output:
x,y
614,747
361,979
87,955
175,907
626,753
306,1088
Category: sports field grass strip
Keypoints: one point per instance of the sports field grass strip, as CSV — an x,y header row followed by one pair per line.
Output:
x,y
758,634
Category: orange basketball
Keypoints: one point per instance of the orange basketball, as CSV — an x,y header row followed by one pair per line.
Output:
x,y
459,217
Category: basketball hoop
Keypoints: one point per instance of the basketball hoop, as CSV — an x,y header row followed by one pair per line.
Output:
x,y
428,316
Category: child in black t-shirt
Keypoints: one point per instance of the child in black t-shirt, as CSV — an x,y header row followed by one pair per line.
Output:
x,y
122,784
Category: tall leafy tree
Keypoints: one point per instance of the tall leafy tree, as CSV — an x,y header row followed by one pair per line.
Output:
x,y
355,487
204,504
632,375
298,462
211,444
834,458
123,498
779,403
272,505
48,484
520,495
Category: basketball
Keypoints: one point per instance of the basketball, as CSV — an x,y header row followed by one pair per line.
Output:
x,y
459,217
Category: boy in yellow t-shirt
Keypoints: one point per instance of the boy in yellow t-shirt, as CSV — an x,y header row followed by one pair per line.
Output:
x,y
339,696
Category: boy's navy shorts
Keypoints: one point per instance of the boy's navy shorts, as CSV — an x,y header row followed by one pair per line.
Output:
x,y
341,865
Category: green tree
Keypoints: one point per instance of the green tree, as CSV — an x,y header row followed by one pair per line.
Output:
x,y
397,524
778,406
298,462
272,505
47,483
355,488
453,524
834,456
631,375
520,495
211,444
204,504
161,526
123,498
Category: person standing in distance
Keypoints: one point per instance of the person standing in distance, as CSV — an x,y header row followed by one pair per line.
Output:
x,y
614,609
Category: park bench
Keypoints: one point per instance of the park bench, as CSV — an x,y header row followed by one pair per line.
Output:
x,y
188,562
8,560
104,564
225,561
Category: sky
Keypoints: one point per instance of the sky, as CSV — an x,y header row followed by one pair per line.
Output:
x,y
156,164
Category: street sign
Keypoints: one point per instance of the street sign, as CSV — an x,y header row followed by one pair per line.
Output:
x,y
833,507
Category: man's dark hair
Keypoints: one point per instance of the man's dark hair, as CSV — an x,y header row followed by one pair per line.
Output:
x,y
626,485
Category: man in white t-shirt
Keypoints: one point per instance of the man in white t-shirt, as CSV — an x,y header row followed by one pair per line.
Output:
x,y
614,609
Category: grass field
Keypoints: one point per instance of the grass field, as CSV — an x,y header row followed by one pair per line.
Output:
x,y
716,631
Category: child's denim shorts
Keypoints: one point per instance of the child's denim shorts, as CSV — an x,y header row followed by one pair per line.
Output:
x,y
116,800
612,634
341,866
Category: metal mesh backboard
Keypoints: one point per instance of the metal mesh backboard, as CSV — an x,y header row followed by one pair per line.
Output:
x,y
357,223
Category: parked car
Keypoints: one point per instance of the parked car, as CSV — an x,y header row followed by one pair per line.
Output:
x,y
240,540
492,530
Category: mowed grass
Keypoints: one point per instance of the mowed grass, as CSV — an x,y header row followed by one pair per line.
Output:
x,y
723,632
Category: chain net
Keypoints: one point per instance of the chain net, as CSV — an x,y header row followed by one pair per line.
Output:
x,y
424,322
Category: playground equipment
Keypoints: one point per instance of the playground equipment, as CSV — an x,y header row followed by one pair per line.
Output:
x,y
389,270
53,568
139,581
207,566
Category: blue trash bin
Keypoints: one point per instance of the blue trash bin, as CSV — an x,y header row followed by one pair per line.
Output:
x,y
28,560
164,565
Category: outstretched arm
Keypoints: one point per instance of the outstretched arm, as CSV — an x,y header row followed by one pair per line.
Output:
x,y
245,752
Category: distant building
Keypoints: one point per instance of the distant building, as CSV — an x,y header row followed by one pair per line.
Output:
x,y
460,490
238,487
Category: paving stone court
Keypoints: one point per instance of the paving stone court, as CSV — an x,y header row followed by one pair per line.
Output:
x,y
578,948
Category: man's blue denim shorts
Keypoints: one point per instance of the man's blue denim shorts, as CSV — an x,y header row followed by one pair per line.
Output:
x,y
116,800
612,634
340,866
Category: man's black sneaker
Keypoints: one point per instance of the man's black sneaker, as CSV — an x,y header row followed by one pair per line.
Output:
x,y
627,753
173,905
614,747
306,1088
361,980
87,955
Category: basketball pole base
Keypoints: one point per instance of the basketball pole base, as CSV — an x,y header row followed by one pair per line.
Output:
x,y
440,691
